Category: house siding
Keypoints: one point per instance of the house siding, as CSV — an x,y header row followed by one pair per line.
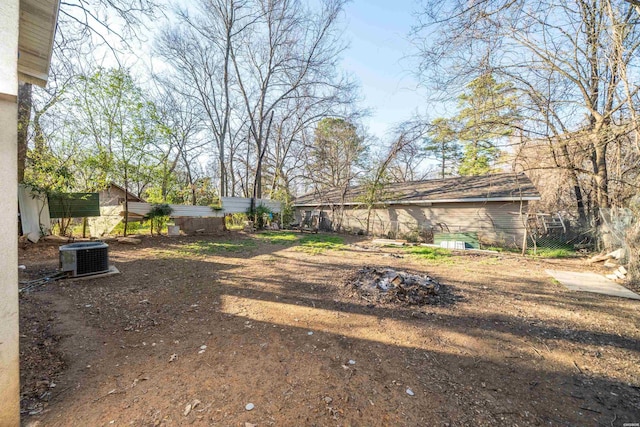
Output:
x,y
497,223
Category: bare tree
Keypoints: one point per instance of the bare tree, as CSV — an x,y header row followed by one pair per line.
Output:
x,y
199,49
408,138
183,131
568,62
263,71
334,159
287,52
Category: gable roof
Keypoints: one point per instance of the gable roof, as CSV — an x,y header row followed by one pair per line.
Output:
x,y
501,187
131,197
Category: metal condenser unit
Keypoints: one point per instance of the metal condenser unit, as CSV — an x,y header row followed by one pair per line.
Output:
x,y
85,258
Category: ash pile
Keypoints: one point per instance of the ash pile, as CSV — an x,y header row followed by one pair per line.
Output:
x,y
386,285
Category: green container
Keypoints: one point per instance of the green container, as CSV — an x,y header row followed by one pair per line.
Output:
x,y
470,239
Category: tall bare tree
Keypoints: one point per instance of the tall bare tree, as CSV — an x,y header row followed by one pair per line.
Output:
x,y
263,71
570,66
199,49
408,135
289,51
184,140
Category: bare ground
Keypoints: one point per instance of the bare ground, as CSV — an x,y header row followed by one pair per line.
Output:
x,y
280,329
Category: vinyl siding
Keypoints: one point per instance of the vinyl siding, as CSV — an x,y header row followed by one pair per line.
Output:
x,y
495,222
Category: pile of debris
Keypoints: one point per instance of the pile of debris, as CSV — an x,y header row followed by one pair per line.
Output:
x,y
386,285
612,260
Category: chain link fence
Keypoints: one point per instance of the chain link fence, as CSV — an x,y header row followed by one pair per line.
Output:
x,y
555,232
621,230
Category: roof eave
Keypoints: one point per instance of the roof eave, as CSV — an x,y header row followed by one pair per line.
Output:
x,y
428,202
34,53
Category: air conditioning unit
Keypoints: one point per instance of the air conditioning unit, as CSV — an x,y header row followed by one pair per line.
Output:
x,y
85,258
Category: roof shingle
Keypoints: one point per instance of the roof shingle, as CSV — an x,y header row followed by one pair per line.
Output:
x,y
498,187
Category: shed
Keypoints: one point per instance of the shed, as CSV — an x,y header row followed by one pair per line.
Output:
x,y
493,206
114,195
111,209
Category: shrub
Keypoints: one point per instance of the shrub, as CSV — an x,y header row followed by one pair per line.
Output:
x,y
235,221
159,216
260,214
132,227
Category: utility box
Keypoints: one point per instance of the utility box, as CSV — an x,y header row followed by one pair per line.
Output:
x,y
85,258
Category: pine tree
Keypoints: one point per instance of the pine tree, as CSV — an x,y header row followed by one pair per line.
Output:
x,y
443,144
487,110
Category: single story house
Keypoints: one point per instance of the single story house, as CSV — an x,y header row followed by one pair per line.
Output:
x,y
493,206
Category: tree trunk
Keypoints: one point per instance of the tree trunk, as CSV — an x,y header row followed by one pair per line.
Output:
x,y
602,195
223,172
582,214
24,118
577,190
232,174
601,176
126,203
261,145
257,183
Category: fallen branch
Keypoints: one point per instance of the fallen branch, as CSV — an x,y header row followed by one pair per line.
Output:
x,y
578,367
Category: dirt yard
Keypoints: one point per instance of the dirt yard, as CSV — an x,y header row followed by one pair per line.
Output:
x,y
194,329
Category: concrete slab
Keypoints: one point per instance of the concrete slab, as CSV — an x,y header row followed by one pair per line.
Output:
x,y
112,271
591,282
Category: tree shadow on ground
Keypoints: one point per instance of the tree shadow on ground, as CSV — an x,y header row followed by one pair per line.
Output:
x,y
256,328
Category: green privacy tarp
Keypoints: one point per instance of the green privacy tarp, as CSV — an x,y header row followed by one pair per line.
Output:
x,y
74,205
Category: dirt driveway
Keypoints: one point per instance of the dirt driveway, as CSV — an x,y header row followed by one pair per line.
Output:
x,y
195,329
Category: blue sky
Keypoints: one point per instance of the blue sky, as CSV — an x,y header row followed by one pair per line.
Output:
x,y
378,34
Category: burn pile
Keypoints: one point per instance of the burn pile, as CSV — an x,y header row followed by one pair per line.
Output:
x,y
386,285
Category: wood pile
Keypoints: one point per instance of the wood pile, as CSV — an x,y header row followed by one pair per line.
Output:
x,y
386,285
619,274
612,260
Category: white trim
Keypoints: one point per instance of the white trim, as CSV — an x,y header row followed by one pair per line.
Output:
x,y
427,202
27,76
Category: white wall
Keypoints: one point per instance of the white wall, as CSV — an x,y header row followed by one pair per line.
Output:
x,y
9,355
9,15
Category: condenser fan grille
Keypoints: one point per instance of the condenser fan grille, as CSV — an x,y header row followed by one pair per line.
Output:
x,y
92,260
82,259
